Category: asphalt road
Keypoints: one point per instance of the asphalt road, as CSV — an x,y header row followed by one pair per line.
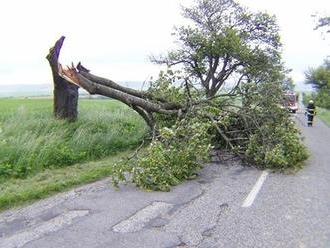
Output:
x,y
227,206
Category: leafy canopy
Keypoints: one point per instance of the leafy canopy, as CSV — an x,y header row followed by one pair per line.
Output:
x,y
319,78
225,42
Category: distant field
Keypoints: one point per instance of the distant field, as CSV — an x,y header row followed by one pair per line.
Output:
x,y
36,90
24,90
31,140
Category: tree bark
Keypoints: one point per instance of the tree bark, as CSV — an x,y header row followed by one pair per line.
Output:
x,y
139,101
67,81
65,93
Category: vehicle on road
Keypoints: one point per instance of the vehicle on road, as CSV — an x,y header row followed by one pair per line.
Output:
x,y
291,101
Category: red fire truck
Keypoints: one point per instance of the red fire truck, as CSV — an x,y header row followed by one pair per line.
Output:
x,y
291,101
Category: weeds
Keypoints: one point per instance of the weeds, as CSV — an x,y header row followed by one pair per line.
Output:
x,y
32,140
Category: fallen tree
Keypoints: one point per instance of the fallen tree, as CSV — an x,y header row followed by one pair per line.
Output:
x,y
144,103
189,111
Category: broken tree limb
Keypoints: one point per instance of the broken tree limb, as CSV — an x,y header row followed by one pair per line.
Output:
x,y
109,83
69,80
95,88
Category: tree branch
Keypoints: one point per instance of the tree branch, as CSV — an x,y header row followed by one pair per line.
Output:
x,y
94,88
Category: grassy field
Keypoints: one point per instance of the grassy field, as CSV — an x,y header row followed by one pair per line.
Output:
x,y
33,146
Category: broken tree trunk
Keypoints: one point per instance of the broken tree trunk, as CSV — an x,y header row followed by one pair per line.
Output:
x,y
65,93
67,81
137,100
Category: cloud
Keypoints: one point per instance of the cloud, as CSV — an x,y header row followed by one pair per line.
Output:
x,y
116,37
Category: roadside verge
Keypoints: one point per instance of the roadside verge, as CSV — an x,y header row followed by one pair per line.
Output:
x,y
18,192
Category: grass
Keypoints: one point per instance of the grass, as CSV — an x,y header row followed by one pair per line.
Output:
x,y
40,155
17,192
31,140
324,115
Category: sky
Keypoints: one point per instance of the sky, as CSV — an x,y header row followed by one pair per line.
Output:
x,y
114,38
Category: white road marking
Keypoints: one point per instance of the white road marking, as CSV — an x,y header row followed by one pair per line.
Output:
x,y
255,190
33,233
139,220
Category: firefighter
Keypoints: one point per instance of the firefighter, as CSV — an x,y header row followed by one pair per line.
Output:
x,y
310,112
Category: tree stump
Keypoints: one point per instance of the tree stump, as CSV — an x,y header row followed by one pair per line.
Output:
x,y
65,93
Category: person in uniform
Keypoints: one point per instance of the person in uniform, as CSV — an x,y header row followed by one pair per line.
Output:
x,y
310,112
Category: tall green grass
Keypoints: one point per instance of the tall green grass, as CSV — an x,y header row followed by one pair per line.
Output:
x,y
19,191
31,140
